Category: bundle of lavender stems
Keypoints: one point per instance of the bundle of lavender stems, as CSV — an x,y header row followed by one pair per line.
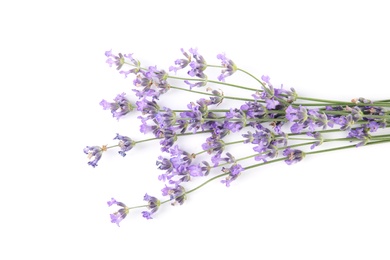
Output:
x,y
272,124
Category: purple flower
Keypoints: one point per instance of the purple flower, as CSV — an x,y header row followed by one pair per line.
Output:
x,y
145,128
195,170
321,119
206,168
253,109
177,194
159,78
132,62
180,159
266,79
94,154
165,190
147,107
248,136
216,159
296,114
118,216
178,168
194,117
198,65
293,155
234,171
271,103
164,164
229,67
297,128
153,205
165,119
146,214
148,78
181,63
318,137
373,126
346,122
270,152
358,132
198,84
169,138
118,61
119,108
125,143
263,137
234,126
111,202
217,98
213,145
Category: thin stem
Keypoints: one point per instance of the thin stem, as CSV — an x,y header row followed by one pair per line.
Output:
x,y
214,81
255,78
346,147
135,207
382,103
208,94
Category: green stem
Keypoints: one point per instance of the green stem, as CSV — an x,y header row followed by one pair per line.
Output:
x,y
135,207
346,147
208,94
338,102
214,81
252,76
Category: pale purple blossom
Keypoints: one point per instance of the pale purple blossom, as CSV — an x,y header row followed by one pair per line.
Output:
x,y
229,67
120,107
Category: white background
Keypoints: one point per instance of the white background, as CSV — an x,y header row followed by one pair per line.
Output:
x,y
53,76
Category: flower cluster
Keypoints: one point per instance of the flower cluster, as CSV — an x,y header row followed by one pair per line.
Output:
x,y
273,124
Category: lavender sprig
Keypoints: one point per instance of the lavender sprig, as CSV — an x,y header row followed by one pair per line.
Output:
x,y
272,122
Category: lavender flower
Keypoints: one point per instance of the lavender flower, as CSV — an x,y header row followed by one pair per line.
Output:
x,y
125,143
94,154
133,62
217,98
198,84
346,122
266,79
213,145
206,168
169,139
234,171
145,128
229,67
235,126
318,137
118,61
194,117
153,205
147,107
198,65
119,108
374,126
165,119
254,110
177,194
181,63
119,215
293,155
296,114
159,78
112,202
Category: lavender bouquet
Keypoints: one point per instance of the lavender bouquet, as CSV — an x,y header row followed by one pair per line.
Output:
x,y
264,124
